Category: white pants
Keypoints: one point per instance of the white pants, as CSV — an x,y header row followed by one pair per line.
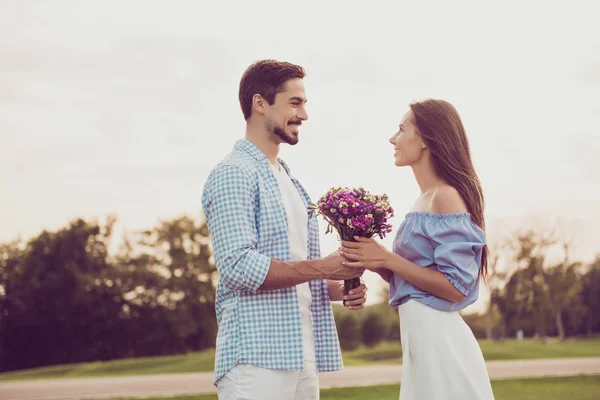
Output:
x,y
248,382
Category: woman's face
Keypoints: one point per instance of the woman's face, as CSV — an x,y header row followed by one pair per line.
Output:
x,y
407,142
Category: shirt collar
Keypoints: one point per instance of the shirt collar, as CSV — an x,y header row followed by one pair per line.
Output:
x,y
250,148
254,151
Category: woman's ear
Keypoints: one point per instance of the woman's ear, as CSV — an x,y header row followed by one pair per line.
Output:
x,y
423,146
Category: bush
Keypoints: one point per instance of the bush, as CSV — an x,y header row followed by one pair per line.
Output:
x,y
373,329
348,326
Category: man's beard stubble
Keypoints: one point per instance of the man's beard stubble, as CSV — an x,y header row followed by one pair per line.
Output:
x,y
281,133
289,139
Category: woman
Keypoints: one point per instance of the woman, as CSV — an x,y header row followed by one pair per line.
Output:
x,y
439,256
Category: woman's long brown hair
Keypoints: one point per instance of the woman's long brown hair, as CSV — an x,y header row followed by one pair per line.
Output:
x,y
442,131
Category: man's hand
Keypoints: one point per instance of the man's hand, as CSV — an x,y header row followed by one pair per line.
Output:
x,y
354,300
290,273
332,268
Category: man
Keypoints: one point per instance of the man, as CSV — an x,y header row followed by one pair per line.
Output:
x,y
276,326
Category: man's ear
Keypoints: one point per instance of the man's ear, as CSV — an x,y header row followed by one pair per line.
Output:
x,y
259,104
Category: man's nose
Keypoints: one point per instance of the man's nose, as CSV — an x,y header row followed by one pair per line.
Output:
x,y
302,114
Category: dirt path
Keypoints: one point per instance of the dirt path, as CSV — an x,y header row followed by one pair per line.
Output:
x,y
196,383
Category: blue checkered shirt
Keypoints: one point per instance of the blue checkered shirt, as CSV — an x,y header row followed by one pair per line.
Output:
x,y
248,227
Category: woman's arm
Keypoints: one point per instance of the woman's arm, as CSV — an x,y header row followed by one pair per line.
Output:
x,y
384,273
367,253
428,280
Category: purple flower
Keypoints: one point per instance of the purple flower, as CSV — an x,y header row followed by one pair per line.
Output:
x,y
354,212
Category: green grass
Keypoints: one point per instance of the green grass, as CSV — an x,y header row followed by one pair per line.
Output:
x,y
387,353
531,349
391,352
192,362
564,388
383,353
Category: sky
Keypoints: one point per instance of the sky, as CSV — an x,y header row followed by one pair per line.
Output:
x,y
123,107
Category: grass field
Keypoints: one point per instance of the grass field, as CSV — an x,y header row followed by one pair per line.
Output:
x,y
575,388
508,350
383,353
193,362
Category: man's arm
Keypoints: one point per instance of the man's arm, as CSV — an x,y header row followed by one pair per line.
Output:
x,y
229,206
228,201
290,273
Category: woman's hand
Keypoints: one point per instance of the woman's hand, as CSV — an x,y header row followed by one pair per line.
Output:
x,y
365,253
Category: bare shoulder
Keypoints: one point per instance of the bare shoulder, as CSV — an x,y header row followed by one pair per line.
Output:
x,y
447,200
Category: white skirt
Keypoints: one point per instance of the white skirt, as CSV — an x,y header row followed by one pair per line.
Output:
x,y
441,358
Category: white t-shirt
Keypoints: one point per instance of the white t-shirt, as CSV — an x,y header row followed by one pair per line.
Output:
x,y
297,217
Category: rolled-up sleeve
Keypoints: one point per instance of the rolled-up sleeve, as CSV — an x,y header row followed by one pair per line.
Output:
x,y
229,205
458,250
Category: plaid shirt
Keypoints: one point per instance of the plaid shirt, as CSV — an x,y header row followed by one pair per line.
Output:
x,y
248,226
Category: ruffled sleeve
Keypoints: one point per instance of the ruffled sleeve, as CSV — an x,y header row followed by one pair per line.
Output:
x,y
458,246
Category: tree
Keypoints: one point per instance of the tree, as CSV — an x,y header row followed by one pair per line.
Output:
x,y
591,296
565,291
532,288
173,296
389,315
10,253
477,323
538,288
55,309
494,281
348,325
373,329
65,299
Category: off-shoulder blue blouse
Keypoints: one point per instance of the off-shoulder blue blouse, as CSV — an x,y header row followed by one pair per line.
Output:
x,y
449,243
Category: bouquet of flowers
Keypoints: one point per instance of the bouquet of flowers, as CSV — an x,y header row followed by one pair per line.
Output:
x,y
354,212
